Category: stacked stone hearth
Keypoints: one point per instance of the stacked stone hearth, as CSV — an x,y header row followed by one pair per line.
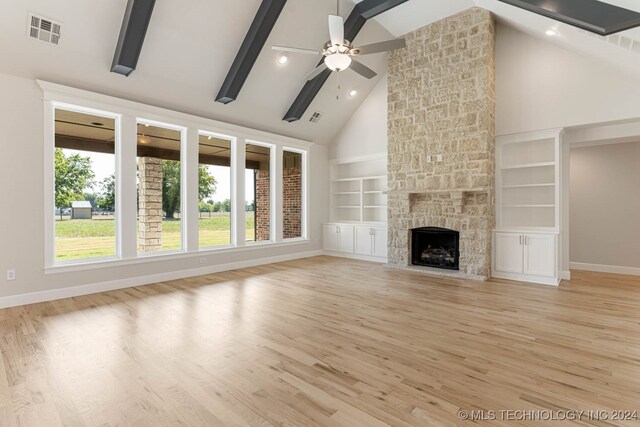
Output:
x,y
441,100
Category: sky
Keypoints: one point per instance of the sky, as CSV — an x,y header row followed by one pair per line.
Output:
x,y
103,165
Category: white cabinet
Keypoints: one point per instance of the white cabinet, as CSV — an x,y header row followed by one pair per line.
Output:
x,y
338,238
508,253
330,237
379,242
345,239
528,257
371,241
365,241
540,255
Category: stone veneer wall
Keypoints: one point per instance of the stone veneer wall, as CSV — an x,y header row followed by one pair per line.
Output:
x,y
441,100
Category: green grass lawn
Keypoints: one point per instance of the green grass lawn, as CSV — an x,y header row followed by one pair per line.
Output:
x,y
91,238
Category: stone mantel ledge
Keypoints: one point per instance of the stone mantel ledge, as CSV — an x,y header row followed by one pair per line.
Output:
x,y
457,195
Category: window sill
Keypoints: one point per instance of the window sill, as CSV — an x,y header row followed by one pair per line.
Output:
x,y
147,258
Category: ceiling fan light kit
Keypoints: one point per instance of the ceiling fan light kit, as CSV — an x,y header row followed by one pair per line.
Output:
x,y
338,53
338,61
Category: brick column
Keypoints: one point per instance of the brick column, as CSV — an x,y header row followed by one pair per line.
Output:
x,y
292,202
150,204
263,205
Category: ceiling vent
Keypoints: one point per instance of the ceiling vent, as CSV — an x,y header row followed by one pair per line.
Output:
x,y
43,29
315,117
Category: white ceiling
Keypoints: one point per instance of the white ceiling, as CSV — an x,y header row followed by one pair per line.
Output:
x,y
187,53
190,46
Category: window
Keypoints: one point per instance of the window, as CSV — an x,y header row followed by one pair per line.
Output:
x,y
214,190
125,181
292,203
85,197
159,188
258,192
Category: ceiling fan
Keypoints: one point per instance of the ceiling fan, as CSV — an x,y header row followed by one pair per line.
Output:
x,y
339,53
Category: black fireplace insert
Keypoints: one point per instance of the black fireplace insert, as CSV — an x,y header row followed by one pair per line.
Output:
x,y
435,247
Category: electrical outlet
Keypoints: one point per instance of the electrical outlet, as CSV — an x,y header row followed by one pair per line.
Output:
x,y
428,159
203,260
11,274
439,158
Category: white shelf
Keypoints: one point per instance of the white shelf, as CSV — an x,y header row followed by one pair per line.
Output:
x,y
528,185
529,165
358,187
360,178
528,206
528,180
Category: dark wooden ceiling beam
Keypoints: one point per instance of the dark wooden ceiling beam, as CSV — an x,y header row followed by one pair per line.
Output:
x,y
591,15
361,12
254,41
108,147
136,20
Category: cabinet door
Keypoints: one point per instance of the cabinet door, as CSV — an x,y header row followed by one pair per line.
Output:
x,y
330,237
345,239
540,255
379,242
363,241
509,257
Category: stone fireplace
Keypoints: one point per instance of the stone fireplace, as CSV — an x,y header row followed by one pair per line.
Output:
x,y
441,104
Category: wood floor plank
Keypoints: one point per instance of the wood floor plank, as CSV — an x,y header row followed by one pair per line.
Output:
x,y
323,342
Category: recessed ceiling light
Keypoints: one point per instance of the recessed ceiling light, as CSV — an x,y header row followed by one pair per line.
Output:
x,y
551,32
353,92
209,138
146,124
283,59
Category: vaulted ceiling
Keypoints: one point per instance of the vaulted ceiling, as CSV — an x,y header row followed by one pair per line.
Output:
x,y
190,46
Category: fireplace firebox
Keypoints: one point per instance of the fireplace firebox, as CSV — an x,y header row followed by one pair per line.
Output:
x,y
435,247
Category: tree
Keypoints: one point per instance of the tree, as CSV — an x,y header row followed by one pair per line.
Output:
x,y
91,198
226,205
73,175
107,199
171,186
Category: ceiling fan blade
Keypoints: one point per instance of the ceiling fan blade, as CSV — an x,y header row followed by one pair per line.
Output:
x,y
362,69
380,47
295,50
315,73
336,29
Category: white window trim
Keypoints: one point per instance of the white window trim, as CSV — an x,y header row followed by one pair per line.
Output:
x,y
127,114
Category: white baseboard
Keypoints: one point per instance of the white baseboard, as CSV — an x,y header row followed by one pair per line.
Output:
x,y
565,275
354,256
94,288
631,271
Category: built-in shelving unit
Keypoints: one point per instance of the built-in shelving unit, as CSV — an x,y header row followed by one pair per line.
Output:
x,y
528,192
525,242
358,189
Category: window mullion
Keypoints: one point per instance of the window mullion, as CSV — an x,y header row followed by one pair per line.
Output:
x,y
238,197
126,187
190,191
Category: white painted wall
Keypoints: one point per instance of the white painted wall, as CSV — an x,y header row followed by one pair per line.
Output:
x,y
22,216
366,132
605,205
540,85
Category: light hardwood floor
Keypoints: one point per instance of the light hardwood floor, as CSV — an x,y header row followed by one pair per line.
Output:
x,y
322,341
